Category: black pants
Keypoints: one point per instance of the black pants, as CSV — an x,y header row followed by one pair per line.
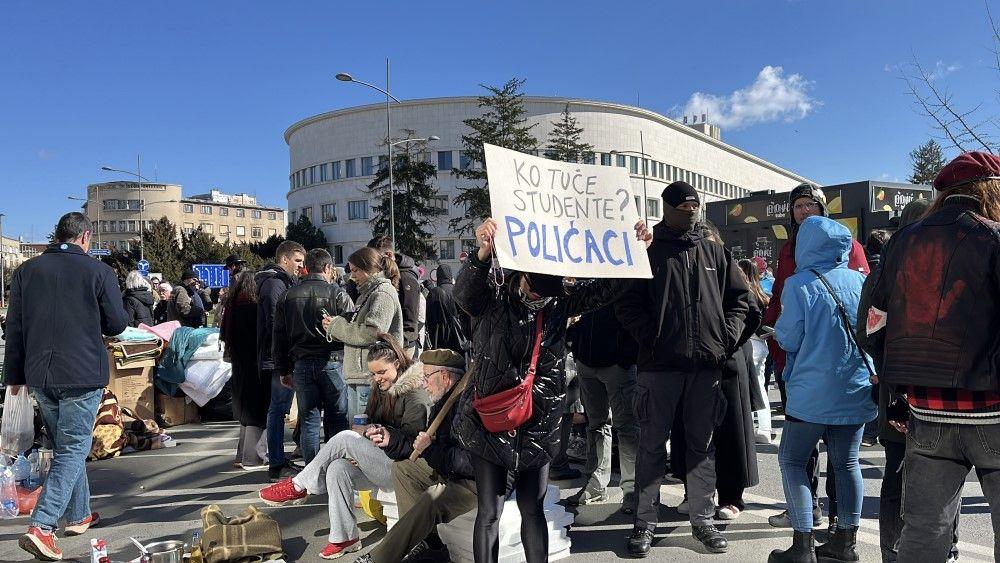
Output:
x,y
491,484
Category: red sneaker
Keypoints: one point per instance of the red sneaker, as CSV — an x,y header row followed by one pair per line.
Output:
x,y
282,493
335,550
40,544
81,527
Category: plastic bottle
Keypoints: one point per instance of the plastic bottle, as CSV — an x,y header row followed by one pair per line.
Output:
x,y
22,469
8,494
195,548
35,477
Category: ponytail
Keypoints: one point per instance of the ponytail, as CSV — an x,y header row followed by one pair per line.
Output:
x,y
390,269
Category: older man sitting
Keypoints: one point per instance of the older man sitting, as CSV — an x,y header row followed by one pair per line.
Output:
x,y
439,485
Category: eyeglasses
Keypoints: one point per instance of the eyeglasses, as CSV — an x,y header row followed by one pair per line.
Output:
x,y
428,375
811,206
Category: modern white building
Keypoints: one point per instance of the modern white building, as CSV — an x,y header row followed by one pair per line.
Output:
x,y
334,156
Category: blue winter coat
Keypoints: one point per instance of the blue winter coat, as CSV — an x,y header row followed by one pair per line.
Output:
x,y
825,377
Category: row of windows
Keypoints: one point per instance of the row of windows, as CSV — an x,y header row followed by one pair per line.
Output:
x,y
224,230
356,210
445,162
120,226
122,205
239,212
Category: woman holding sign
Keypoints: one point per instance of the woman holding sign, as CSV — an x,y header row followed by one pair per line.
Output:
x,y
509,420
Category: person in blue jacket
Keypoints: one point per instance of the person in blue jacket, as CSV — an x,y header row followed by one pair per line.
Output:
x,y
828,387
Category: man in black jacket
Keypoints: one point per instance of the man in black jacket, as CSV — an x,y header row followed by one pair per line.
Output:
x,y
444,319
687,320
272,282
605,355
439,486
302,353
60,304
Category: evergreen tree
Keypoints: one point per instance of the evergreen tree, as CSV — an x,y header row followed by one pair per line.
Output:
x,y
122,262
503,123
564,140
161,250
306,234
262,251
927,160
414,197
200,247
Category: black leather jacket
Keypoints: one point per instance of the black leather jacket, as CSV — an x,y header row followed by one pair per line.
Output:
x,y
298,332
940,290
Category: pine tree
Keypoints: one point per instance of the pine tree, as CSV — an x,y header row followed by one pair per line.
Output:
x,y
199,247
161,250
247,253
122,262
264,251
564,140
502,124
414,197
305,233
928,160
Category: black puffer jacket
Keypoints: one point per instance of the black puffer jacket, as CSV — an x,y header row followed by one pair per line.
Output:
x,y
598,340
694,309
502,344
445,455
138,306
409,299
445,328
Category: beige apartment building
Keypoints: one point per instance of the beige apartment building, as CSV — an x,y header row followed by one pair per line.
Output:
x,y
117,209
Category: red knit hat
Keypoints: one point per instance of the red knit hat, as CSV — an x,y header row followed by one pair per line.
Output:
x,y
968,167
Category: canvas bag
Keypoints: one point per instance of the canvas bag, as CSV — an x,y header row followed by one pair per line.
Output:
x,y
251,535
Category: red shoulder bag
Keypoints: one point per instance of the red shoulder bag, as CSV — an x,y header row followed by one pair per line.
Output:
x,y
507,410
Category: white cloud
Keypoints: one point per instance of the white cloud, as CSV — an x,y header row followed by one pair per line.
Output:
x,y
771,97
941,70
45,154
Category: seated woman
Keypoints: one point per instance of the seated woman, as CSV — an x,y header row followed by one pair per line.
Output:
x,y
353,460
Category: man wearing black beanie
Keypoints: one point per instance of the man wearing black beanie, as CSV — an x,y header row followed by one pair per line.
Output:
x,y
688,319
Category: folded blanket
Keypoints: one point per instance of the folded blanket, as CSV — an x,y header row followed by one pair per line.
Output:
x,y
183,344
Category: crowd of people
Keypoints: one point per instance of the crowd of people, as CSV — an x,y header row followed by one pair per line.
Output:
x,y
456,392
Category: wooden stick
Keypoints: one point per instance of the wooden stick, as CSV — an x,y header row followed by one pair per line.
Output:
x,y
445,409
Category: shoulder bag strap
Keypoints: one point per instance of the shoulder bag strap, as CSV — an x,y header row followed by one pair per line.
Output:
x,y
539,327
847,324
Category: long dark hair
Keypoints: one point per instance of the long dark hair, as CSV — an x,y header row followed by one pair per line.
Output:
x,y
752,276
381,404
243,289
371,261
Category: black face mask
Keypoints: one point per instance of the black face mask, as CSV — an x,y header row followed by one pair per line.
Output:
x,y
545,285
678,219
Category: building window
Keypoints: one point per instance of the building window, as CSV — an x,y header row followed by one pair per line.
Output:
x,y
662,167
645,167
322,172
134,204
207,227
447,251
357,210
188,228
350,169
255,213
464,160
633,164
338,254
307,212
312,174
272,215
224,230
256,232
605,159
638,205
367,166
241,212
383,158
111,205
206,209
292,216
241,231
652,207
133,226
588,158
444,161
439,202
188,208
223,211
328,212
272,232
122,226
335,170
620,160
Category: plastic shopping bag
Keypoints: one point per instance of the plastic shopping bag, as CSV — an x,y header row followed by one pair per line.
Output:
x,y
17,430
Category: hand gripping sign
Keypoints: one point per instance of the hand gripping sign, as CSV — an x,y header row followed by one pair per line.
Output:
x,y
564,218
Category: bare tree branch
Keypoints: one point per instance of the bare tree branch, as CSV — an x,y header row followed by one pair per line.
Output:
x,y
944,101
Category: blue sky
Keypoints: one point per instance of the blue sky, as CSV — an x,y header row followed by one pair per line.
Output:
x,y
204,90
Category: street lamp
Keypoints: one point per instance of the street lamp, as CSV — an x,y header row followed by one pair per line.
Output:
x,y
345,77
3,268
86,201
138,175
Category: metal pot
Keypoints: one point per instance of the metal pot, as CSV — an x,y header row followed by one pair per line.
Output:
x,y
171,551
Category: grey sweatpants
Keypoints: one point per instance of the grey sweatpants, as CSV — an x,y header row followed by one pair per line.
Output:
x,y
333,472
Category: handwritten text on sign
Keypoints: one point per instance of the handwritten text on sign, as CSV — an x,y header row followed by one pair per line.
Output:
x,y
564,218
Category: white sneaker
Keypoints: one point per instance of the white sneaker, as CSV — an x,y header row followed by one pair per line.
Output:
x,y
728,512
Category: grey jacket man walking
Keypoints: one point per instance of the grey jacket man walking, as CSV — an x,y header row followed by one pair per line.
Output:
x,y
60,304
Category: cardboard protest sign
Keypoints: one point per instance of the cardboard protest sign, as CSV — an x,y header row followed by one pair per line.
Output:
x,y
564,218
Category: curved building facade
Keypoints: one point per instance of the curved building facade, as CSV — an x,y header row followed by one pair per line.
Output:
x,y
334,156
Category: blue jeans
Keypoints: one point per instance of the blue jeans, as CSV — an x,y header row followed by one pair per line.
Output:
x,y
357,399
281,403
842,442
319,385
69,415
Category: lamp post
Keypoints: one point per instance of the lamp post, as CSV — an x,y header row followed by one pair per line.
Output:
x,y
142,204
641,152
3,268
345,77
86,202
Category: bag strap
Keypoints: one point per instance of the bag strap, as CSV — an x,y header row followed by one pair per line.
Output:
x,y
539,322
847,324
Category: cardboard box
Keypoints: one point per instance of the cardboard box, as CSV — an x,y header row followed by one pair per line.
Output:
x,y
133,386
174,411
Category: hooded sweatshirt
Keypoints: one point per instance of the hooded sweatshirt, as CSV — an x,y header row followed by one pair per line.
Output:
x,y
825,376
139,306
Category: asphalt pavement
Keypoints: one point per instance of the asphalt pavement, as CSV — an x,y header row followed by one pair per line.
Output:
x,y
159,494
